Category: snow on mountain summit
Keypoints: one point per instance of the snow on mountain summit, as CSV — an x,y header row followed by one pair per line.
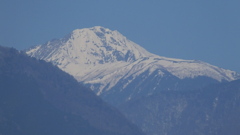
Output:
x,y
103,57
87,48
105,45
101,44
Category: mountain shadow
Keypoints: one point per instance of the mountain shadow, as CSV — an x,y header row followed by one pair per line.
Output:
x,y
37,98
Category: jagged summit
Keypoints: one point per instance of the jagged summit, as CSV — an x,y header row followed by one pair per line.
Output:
x,y
106,59
102,44
88,47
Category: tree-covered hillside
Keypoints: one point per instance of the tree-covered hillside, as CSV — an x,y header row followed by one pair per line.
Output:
x,y
37,98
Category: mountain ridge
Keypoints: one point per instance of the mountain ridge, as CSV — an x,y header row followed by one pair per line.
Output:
x,y
101,58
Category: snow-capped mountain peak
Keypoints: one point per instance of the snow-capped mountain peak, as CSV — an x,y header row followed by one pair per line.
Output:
x,y
105,46
84,49
104,58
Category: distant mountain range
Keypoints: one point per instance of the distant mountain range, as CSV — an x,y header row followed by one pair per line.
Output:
x,y
37,98
160,95
119,70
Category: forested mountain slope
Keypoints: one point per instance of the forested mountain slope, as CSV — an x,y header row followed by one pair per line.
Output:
x,y
37,98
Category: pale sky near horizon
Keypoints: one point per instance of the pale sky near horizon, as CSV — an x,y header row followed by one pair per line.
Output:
x,y
188,29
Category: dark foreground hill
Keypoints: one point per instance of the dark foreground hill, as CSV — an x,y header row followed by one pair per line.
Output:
x,y
37,98
213,110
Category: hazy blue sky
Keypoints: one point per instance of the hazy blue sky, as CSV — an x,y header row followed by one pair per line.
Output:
x,y
207,30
